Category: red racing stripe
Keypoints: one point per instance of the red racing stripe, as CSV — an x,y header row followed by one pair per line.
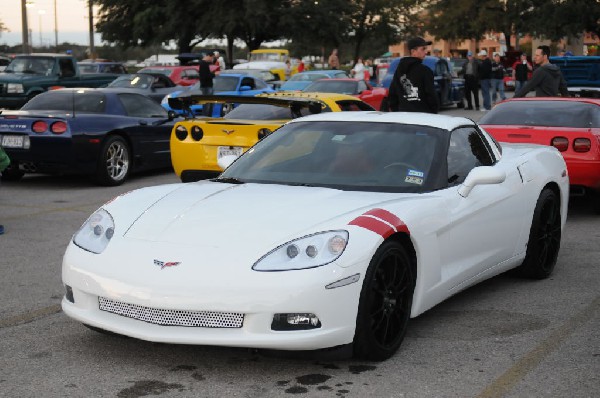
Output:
x,y
372,224
375,220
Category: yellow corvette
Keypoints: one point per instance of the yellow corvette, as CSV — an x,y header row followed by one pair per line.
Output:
x,y
197,144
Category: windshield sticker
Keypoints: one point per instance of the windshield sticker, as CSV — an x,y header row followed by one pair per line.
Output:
x,y
416,173
414,180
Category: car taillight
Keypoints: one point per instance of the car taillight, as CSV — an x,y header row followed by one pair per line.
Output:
x,y
560,143
181,132
39,126
58,127
582,145
197,133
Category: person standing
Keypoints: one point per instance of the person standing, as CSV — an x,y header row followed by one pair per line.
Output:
x,y
288,69
205,75
520,73
334,61
220,61
412,88
300,65
497,79
547,80
485,79
470,71
358,72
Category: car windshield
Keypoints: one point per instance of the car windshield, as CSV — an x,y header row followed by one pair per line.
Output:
x,y
307,77
67,101
278,57
224,83
162,71
37,65
88,68
133,81
333,86
269,112
544,113
381,157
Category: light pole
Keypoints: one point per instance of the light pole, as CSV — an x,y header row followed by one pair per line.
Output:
x,y
55,27
91,18
24,21
41,13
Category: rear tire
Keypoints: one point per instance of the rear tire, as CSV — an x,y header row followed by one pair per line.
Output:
x,y
114,162
544,238
385,303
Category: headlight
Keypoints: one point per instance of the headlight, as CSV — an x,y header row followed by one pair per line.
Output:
x,y
14,88
96,232
308,252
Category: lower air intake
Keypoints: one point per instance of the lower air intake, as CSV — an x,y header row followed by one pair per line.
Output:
x,y
203,319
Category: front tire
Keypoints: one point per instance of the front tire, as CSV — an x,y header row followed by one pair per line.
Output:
x,y
544,238
114,162
385,303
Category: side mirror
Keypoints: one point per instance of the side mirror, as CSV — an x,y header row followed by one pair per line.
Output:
x,y
245,88
479,176
225,161
171,115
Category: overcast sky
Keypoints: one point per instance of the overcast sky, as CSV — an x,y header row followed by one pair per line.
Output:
x,y
73,24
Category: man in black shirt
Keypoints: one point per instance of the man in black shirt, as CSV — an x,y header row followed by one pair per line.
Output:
x,y
485,79
412,88
206,76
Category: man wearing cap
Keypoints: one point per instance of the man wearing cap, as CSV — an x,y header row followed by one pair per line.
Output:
x,y
470,71
485,79
412,88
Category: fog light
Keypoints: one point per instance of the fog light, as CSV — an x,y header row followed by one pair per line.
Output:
x,y
69,294
302,321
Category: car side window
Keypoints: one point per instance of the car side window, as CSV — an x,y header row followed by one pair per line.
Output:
x,y
466,151
66,67
140,106
259,85
362,86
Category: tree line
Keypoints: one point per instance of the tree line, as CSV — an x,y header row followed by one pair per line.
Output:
x,y
361,27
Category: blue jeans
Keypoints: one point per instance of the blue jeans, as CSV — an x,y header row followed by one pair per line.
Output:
x,y
485,93
519,84
497,89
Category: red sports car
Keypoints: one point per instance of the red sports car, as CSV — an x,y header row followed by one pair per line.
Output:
x,y
572,125
358,88
181,75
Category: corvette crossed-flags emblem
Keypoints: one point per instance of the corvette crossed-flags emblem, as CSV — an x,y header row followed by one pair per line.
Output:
x,y
163,264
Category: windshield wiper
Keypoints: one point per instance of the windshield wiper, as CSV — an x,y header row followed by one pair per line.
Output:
x,y
228,180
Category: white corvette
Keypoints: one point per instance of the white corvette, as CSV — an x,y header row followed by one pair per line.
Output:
x,y
335,230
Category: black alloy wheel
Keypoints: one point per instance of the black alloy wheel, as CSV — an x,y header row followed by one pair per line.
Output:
x,y
385,303
544,238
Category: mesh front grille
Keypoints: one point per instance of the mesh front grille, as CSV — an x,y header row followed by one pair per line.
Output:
x,y
204,319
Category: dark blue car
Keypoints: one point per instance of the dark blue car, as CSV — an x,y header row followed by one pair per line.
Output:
x,y
451,92
107,133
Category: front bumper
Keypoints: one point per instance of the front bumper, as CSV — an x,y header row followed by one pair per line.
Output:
x,y
256,295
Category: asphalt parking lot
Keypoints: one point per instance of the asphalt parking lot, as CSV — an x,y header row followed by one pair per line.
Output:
x,y
506,337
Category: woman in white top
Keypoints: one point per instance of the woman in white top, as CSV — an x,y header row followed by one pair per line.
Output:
x,y
359,70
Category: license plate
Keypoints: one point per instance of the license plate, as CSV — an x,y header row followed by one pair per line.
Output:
x,y
228,151
12,141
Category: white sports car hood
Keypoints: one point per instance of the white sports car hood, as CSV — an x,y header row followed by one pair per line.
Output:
x,y
211,214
